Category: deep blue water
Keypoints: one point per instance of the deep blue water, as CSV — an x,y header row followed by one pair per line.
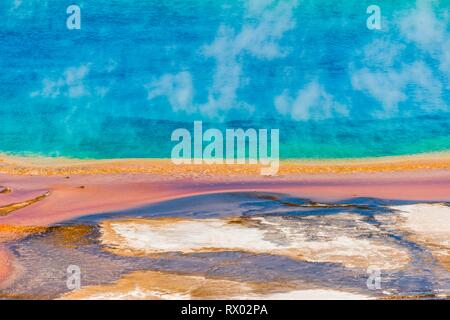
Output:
x,y
136,70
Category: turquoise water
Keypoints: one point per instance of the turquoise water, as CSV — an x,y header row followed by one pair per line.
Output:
x,y
139,69
44,259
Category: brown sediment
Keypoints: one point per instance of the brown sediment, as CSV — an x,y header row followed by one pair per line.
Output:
x,y
14,232
417,297
269,197
64,166
323,205
162,285
5,210
114,192
9,268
